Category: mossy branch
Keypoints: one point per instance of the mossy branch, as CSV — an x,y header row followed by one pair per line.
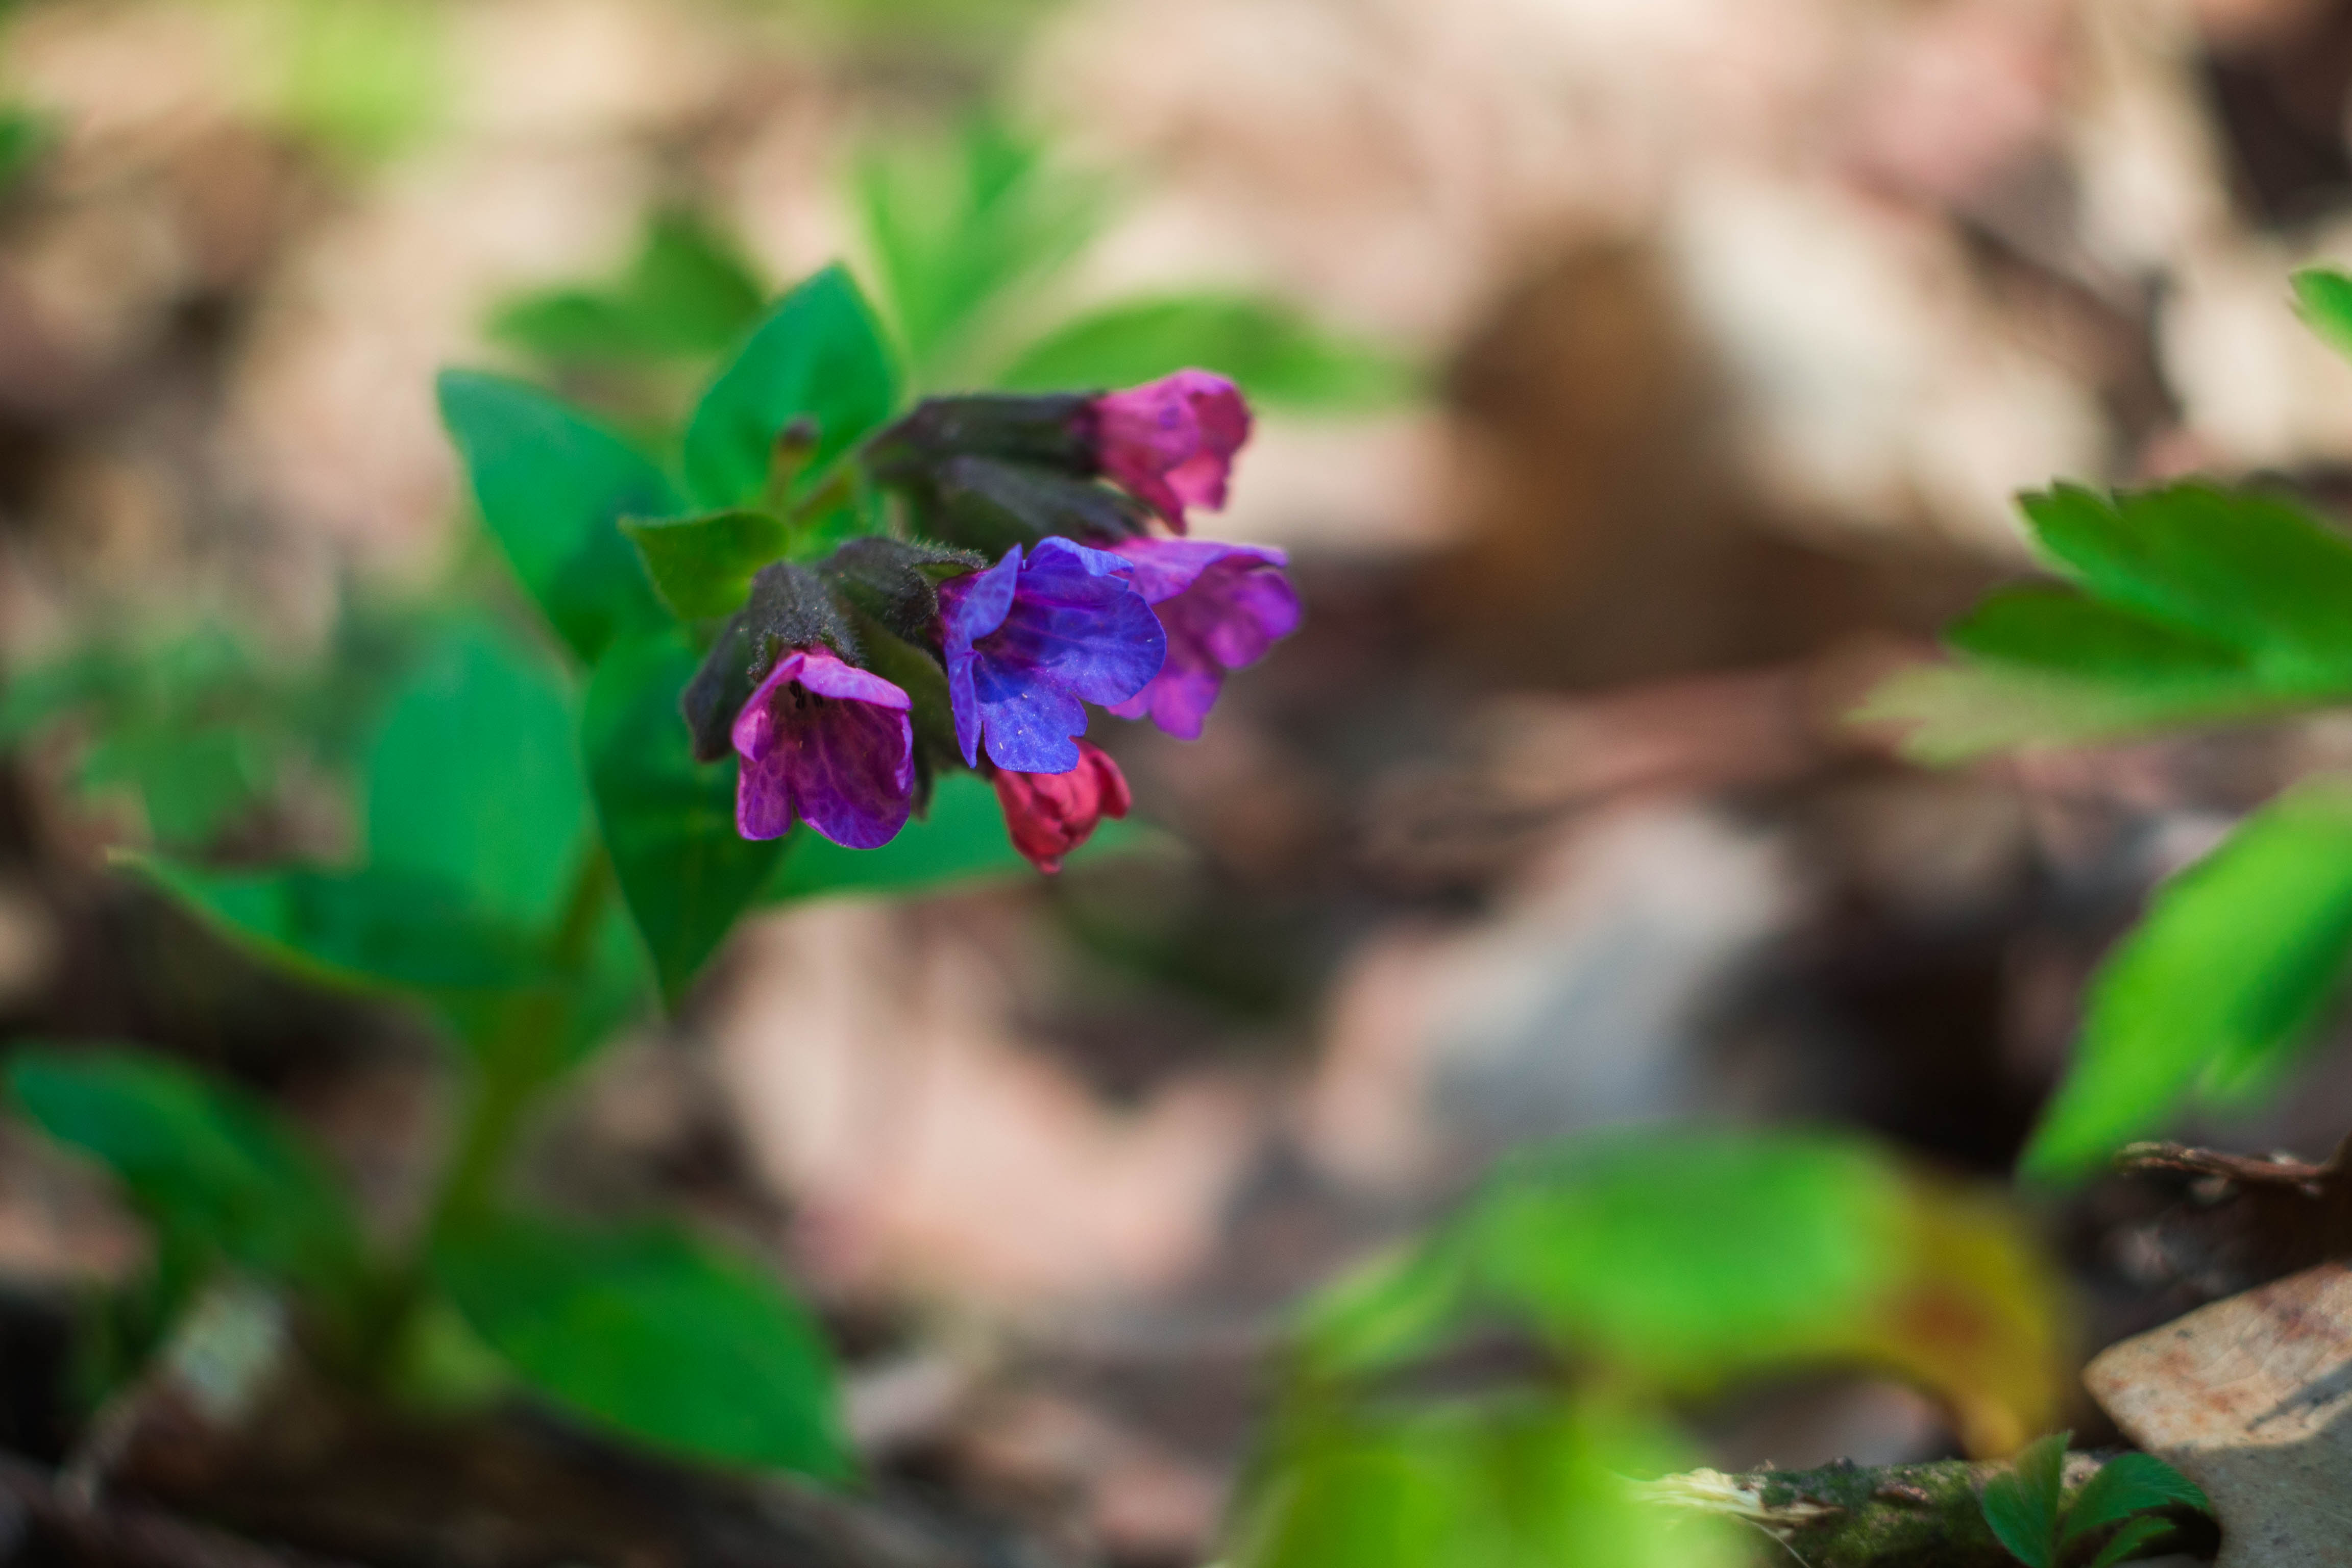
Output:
x,y
1894,1516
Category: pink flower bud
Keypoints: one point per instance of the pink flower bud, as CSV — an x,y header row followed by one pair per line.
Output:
x,y
1049,814
1170,442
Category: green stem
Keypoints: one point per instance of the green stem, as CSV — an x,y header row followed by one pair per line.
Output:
x,y
514,1063
521,1054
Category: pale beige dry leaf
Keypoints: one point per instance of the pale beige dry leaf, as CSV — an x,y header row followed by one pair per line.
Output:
x,y
2251,1398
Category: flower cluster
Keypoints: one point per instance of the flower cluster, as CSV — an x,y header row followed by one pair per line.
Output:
x,y
1047,589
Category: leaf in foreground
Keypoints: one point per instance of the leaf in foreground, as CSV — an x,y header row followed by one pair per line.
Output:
x,y
654,1334
213,1170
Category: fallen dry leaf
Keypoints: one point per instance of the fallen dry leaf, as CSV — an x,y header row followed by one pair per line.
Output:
x,y
2252,1399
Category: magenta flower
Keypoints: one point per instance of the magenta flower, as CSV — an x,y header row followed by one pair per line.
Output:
x,y
1222,606
1170,442
1028,643
830,743
1049,814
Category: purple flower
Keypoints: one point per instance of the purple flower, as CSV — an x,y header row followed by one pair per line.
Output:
x,y
829,742
1025,641
1170,442
1049,814
1222,606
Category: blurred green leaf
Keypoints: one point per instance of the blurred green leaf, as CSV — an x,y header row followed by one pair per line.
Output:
x,y
2189,605
2228,973
1496,1484
1278,356
668,821
190,782
474,778
817,355
25,136
373,928
688,294
552,486
702,566
962,230
961,840
1680,1258
2021,1503
368,78
2125,1485
2326,298
652,1334
214,1170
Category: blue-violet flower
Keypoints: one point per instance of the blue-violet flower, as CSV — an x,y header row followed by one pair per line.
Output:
x,y
1027,642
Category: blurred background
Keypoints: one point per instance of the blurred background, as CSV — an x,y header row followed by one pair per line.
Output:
x,y
1640,380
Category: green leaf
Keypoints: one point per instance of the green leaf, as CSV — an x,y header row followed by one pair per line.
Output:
x,y
702,566
2249,571
688,294
2191,605
817,355
214,1170
2022,1505
668,821
963,232
2228,973
1498,1483
2326,298
2129,1484
1689,1251
650,1333
961,840
2130,1542
1278,356
552,486
373,929
475,779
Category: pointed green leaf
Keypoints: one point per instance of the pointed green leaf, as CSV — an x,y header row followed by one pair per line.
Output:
x,y
702,566
552,486
649,1333
2129,1484
373,929
668,821
213,1170
2231,967
475,779
817,355
1278,357
2021,1504
2058,628
2250,570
